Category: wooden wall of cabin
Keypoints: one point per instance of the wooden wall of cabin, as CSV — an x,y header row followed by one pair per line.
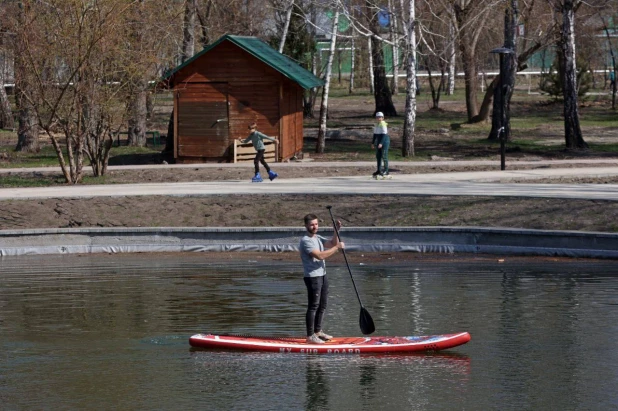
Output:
x,y
201,127
256,92
252,101
292,120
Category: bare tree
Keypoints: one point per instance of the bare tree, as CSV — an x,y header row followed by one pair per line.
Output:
x,y
435,47
6,59
321,142
203,13
409,25
574,139
370,66
382,92
614,67
533,16
452,59
503,94
186,52
352,64
286,25
136,132
470,18
77,58
188,31
28,128
393,28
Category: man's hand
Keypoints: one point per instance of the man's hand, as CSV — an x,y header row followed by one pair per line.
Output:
x,y
339,225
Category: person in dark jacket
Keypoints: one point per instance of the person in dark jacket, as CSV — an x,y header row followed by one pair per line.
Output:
x,y
381,142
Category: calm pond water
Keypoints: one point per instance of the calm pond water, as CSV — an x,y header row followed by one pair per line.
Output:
x,y
111,332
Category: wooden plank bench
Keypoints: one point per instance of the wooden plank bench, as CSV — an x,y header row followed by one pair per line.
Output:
x,y
246,152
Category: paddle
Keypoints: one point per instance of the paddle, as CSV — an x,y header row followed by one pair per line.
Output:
x,y
365,321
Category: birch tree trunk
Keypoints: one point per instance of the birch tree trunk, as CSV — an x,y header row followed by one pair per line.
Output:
x,y
395,40
452,60
611,52
6,115
352,65
572,129
286,25
407,146
371,80
321,143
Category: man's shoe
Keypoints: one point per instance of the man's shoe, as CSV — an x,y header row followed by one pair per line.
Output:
x,y
314,339
323,336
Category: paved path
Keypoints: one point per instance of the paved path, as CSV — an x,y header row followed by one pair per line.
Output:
x,y
337,164
481,183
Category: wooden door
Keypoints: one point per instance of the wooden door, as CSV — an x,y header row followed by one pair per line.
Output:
x,y
202,120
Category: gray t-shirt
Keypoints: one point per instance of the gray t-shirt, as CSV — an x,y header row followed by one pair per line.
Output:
x,y
312,266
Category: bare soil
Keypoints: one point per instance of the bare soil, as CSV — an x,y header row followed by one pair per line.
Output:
x,y
288,210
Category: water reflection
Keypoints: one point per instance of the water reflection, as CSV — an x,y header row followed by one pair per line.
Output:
x,y
367,381
318,391
112,332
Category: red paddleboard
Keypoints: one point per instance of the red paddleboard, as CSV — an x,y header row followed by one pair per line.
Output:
x,y
338,345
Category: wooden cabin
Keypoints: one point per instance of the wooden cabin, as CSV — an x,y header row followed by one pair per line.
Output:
x,y
232,83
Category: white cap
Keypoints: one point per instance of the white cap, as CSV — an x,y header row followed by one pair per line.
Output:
x,y
379,114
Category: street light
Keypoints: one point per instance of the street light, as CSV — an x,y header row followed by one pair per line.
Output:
x,y
503,132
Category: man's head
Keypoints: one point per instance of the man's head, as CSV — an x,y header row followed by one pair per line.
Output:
x,y
379,116
311,223
253,127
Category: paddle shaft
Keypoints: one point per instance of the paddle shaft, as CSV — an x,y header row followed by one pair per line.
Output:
x,y
344,256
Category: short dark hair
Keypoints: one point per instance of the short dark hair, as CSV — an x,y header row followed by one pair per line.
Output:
x,y
310,217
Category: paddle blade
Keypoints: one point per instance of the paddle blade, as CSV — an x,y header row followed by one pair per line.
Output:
x,y
366,322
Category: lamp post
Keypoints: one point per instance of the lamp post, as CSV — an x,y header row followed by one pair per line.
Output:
x,y
504,131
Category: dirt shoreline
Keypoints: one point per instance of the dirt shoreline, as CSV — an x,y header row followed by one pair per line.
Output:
x,y
288,210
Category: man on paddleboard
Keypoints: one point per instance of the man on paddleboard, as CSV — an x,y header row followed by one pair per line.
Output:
x,y
314,249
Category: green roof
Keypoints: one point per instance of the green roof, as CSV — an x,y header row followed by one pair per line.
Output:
x,y
263,52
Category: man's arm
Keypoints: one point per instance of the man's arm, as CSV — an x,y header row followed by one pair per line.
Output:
x,y
323,255
335,238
